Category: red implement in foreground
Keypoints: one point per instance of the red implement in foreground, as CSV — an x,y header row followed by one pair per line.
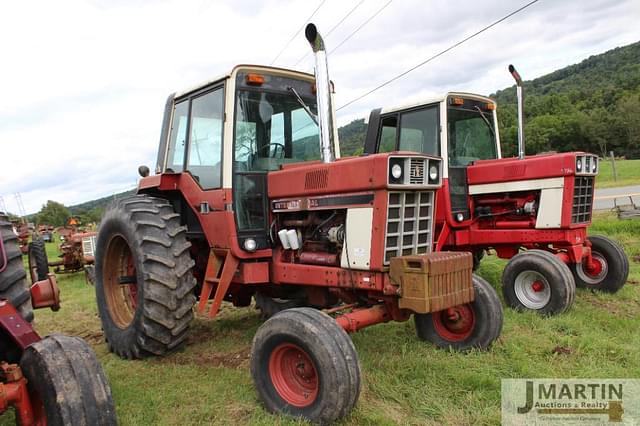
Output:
x,y
52,381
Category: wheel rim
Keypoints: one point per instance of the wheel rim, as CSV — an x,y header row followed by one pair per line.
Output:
x,y
119,267
532,289
293,375
455,324
594,272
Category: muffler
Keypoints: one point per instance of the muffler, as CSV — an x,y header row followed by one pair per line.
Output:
x,y
520,95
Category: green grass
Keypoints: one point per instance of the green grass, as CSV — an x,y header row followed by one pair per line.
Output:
x,y
405,381
628,172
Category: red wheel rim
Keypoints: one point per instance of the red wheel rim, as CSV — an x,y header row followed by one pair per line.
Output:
x,y
595,267
293,375
455,324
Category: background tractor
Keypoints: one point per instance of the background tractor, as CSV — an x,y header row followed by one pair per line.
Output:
x,y
55,380
541,203
250,198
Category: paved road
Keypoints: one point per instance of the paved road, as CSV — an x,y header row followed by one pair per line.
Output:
x,y
607,203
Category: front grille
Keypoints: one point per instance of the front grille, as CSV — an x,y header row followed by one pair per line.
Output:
x,y
582,199
416,172
89,245
409,224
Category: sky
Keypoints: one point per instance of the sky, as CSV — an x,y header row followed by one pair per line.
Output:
x,y
84,82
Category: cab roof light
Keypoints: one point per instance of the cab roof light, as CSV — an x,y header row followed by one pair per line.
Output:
x,y
255,79
490,106
457,101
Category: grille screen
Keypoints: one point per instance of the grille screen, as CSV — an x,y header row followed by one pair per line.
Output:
x,y
409,224
582,199
89,245
416,174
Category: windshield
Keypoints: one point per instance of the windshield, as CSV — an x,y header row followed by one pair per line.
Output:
x,y
471,136
273,128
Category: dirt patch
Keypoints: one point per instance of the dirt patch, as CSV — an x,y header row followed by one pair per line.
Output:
x,y
636,258
618,308
238,359
562,350
633,282
92,337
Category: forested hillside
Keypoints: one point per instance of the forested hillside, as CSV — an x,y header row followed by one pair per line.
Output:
x,y
591,106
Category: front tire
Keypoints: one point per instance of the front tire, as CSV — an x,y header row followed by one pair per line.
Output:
x,y
38,262
68,383
304,365
144,285
538,281
610,268
472,325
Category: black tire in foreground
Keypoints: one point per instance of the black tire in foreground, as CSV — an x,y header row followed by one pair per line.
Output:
x,y
269,306
64,374
304,365
537,280
610,269
472,325
144,285
13,283
38,262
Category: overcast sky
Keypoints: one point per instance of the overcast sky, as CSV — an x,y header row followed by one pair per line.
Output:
x,y
84,82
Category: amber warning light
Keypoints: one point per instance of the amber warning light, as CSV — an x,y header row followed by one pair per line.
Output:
x,y
490,106
457,101
255,79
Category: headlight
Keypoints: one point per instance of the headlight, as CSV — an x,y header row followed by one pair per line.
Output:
x,y
433,173
579,164
396,171
594,166
250,244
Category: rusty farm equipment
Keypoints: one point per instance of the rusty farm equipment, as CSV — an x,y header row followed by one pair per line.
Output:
x,y
55,380
251,198
533,210
76,253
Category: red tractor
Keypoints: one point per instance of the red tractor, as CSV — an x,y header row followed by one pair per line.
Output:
x,y
52,381
250,198
539,203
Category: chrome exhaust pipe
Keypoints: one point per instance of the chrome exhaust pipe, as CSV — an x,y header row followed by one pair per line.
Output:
x,y
520,95
323,93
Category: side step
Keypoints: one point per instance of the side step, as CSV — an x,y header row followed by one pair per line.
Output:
x,y
221,268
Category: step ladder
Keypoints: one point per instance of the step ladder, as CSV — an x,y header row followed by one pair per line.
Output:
x,y
221,268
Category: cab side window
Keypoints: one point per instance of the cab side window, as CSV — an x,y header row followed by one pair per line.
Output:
x,y
419,131
178,138
205,139
415,131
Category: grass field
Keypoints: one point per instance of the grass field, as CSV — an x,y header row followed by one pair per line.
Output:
x,y
405,381
628,172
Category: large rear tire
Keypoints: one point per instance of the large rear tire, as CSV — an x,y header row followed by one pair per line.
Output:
x,y
304,365
38,262
67,382
13,283
610,268
537,280
472,325
144,285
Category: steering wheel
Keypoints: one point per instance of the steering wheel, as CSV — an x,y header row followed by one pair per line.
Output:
x,y
277,147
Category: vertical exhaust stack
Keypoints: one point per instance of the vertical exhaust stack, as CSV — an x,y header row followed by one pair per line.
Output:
x,y
323,93
516,76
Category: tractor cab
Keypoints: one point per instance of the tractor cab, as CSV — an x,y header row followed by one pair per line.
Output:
x,y
460,127
228,134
